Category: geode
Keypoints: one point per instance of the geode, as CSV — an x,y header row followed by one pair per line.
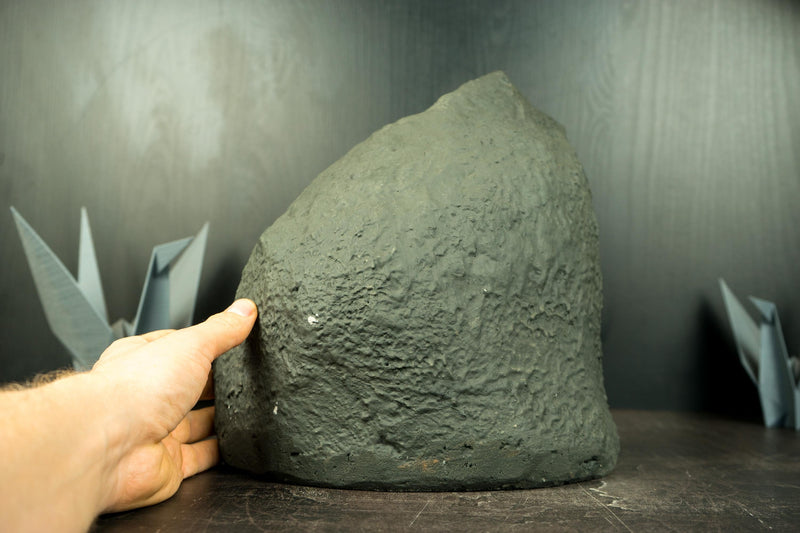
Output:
x,y
429,313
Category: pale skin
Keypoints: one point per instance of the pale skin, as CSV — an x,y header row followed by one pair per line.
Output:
x,y
118,437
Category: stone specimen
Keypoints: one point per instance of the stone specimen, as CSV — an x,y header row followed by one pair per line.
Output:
x,y
429,313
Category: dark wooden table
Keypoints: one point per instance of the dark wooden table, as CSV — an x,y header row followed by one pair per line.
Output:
x,y
676,472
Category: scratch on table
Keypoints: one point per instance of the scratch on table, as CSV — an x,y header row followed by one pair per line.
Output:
x,y
746,510
615,501
247,510
688,501
420,511
605,507
687,483
211,518
514,507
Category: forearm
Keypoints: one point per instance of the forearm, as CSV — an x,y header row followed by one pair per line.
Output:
x,y
57,448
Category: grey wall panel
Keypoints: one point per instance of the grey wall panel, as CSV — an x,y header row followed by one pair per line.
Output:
x,y
158,116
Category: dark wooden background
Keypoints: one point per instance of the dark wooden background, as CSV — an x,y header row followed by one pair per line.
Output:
x,y
160,115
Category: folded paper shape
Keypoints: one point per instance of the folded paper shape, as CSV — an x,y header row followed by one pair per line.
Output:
x,y
76,308
762,351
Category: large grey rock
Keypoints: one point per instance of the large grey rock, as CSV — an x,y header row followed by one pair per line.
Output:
x,y
429,313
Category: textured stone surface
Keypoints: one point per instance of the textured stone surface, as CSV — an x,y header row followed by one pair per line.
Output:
x,y
429,313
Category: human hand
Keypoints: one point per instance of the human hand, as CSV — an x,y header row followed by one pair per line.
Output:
x,y
153,381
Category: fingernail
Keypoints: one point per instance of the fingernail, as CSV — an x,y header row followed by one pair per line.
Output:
x,y
243,307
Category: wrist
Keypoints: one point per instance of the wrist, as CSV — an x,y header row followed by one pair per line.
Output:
x,y
90,419
109,437
96,433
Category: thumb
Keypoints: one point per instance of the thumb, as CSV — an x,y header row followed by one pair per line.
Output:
x,y
218,334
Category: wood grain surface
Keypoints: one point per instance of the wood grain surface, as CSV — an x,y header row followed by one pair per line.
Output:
x,y
677,472
158,116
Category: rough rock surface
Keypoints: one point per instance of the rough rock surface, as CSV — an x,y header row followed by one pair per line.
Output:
x,y
429,313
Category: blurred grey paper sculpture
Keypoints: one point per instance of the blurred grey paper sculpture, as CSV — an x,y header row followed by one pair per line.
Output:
x,y
76,309
762,352
429,313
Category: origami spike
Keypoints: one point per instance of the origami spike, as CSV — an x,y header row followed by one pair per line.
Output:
x,y
76,309
762,351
